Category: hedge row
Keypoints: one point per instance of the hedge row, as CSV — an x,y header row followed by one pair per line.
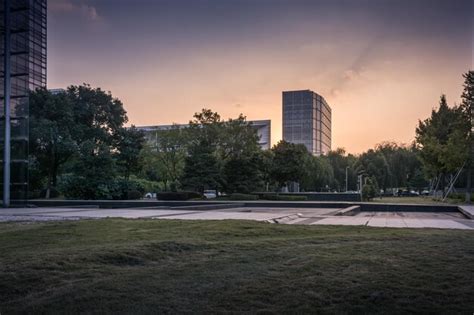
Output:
x,y
237,196
282,197
180,195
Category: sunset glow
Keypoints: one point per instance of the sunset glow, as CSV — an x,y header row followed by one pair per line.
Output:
x,y
381,65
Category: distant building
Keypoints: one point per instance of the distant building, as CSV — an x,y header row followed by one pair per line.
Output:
x,y
263,128
57,91
307,120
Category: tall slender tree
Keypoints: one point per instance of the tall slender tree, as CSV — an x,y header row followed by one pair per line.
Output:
x,y
467,110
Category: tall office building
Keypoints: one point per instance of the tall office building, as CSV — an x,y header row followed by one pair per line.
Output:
x,y
23,68
307,120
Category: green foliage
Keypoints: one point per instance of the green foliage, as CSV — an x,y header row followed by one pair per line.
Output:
x,y
467,125
82,132
237,139
201,170
164,159
282,197
148,185
51,142
243,174
370,189
130,143
318,175
181,195
460,197
418,181
222,154
239,196
442,140
81,187
288,159
134,194
339,161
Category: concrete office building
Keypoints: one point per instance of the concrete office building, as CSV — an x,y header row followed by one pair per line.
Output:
x,y
23,68
307,120
262,127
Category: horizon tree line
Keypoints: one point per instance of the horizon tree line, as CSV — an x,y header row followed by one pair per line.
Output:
x,y
80,148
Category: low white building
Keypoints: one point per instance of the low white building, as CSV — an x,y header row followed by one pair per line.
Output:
x,y
263,128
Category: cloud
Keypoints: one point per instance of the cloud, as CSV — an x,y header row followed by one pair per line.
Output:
x,y
71,6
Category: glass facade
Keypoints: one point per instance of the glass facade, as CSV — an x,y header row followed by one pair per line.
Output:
x,y
27,72
307,120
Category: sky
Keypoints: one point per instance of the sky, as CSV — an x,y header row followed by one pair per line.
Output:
x,y
380,64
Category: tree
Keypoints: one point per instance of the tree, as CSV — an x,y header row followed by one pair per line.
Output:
x,y
266,159
438,139
239,153
418,181
402,162
288,161
318,174
202,169
170,151
98,131
467,112
151,167
374,164
130,143
370,189
340,161
242,174
51,142
238,139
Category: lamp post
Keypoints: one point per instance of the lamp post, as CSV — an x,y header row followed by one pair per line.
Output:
x,y
347,167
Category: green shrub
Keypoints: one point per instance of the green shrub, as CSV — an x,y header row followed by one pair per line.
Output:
x,y
148,185
77,187
238,196
278,197
266,196
292,198
368,192
181,195
134,195
53,193
460,196
34,194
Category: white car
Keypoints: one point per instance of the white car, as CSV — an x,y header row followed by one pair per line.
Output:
x,y
210,194
150,195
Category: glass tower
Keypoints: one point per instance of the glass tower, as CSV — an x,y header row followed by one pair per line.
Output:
x,y
307,120
22,69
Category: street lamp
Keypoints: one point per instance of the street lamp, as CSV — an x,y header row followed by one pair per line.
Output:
x,y
347,167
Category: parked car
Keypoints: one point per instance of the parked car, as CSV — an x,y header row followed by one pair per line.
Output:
x,y
210,194
150,195
425,193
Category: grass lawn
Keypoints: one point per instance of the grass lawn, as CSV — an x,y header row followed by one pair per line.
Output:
x,y
160,266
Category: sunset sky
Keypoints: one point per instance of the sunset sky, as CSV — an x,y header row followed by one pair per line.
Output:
x,y
380,64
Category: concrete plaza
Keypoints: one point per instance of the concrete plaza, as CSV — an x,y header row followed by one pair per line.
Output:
x,y
303,216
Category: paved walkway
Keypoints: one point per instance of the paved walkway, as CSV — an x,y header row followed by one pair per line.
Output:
x,y
304,216
468,211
